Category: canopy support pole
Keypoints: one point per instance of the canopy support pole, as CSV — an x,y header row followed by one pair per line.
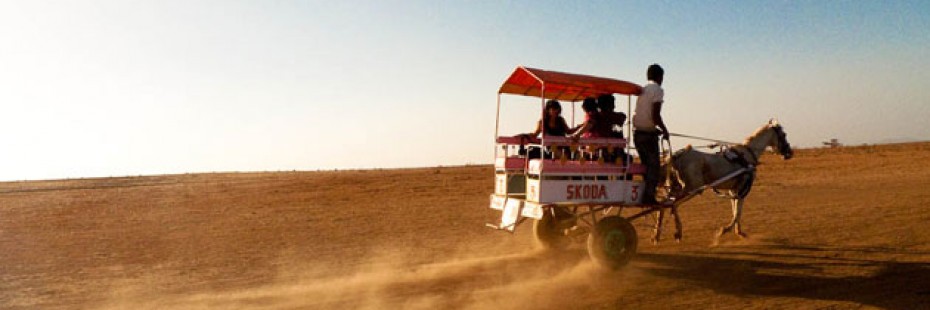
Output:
x,y
497,123
542,140
573,114
629,133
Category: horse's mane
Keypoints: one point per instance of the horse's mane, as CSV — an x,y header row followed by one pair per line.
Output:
x,y
756,133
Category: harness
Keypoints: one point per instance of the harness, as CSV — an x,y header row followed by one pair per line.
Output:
x,y
746,158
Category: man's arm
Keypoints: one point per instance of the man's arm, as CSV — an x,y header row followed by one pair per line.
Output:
x,y
657,118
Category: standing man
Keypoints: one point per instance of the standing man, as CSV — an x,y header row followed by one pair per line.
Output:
x,y
648,125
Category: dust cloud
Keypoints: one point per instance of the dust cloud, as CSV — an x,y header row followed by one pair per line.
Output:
x,y
531,280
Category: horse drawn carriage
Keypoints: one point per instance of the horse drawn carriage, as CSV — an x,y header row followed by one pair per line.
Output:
x,y
585,198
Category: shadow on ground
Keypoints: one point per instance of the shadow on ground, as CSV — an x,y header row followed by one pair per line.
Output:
x,y
802,271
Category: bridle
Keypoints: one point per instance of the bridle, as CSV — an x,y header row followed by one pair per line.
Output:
x,y
784,148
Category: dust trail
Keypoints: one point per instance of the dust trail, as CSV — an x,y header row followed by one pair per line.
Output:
x,y
533,280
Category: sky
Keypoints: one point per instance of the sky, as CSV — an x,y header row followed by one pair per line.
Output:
x,y
122,88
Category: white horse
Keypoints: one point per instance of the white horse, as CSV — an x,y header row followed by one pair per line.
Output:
x,y
697,170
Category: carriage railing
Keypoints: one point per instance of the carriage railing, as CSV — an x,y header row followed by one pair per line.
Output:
x,y
554,140
586,150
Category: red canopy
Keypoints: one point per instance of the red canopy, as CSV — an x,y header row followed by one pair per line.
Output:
x,y
563,86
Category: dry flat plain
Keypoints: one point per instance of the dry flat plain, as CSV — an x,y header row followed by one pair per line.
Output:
x,y
832,228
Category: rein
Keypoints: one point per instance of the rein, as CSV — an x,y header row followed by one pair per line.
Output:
x,y
701,138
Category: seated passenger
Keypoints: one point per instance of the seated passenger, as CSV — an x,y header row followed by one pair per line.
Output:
x,y
552,124
614,120
591,128
613,127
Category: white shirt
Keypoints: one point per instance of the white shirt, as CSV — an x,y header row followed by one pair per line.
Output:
x,y
642,117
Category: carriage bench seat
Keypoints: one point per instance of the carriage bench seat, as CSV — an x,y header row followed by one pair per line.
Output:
x,y
552,166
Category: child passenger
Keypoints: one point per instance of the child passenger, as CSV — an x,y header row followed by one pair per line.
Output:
x,y
593,122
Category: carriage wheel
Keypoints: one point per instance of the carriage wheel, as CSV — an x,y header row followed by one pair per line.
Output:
x,y
612,243
548,233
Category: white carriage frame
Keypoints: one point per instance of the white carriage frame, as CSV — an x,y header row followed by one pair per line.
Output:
x,y
515,209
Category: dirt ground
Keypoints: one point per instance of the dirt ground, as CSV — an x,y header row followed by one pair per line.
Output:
x,y
832,228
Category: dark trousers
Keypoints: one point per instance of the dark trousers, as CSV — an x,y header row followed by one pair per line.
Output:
x,y
647,145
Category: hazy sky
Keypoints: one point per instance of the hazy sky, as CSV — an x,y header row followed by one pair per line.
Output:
x,y
112,88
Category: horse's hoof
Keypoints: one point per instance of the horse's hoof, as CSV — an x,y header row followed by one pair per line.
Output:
x,y
717,237
678,237
655,241
742,235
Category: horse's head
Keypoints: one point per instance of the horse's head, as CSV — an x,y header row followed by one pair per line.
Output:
x,y
779,143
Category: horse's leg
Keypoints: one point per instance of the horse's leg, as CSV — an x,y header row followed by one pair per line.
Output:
x,y
737,216
658,230
678,233
725,229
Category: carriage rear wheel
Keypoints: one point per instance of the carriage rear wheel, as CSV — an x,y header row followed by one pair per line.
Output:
x,y
612,243
550,231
